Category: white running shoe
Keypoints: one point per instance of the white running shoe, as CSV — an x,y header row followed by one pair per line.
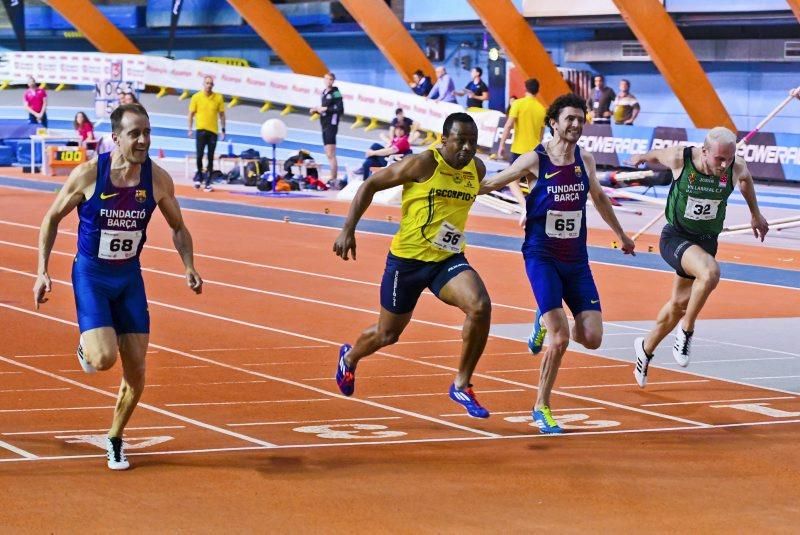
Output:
x,y
682,347
88,368
116,454
642,362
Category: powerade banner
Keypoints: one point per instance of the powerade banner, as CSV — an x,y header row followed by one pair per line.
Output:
x,y
769,156
16,14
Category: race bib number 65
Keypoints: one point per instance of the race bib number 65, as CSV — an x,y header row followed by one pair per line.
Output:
x,y
119,244
563,225
449,238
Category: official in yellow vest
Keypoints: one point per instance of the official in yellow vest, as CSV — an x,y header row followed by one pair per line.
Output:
x,y
439,188
206,105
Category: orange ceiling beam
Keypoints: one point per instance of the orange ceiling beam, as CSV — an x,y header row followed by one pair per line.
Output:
x,y
390,36
270,24
512,32
670,52
795,5
94,25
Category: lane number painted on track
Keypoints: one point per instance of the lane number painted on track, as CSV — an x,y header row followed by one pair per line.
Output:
x,y
131,443
567,421
350,431
759,408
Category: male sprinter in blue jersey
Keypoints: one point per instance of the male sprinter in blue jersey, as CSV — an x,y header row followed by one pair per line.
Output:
x,y
556,259
115,194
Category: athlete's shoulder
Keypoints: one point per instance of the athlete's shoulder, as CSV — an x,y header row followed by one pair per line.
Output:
x,y
85,173
587,157
162,181
480,167
740,168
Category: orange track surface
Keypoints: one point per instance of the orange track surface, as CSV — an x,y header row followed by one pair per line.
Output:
x,y
247,367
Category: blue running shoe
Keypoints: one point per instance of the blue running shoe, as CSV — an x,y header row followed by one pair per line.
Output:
x,y
345,375
544,420
467,398
536,339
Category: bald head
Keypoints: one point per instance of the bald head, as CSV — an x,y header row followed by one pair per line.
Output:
x,y
720,135
719,150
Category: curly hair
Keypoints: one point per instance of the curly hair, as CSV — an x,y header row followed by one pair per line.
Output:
x,y
569,100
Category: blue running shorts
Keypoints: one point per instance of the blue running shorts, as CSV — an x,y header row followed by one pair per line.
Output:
x,y
553,281
405,279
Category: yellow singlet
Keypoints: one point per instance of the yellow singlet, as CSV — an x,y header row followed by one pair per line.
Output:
x,y
435,213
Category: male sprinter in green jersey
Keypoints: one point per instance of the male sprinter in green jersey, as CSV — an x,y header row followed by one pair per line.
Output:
x,y
703,179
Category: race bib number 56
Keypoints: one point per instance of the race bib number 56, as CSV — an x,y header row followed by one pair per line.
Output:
x,y
119,244
563,225
449,238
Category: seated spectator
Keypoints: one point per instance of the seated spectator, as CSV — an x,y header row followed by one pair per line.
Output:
x,y
410,125
444,90
377,153
422,84
83,126
625,106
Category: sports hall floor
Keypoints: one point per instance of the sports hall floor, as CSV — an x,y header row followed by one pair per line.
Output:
x,y
241,426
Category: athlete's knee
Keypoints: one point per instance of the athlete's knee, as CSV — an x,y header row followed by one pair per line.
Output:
x,y
388,337
479,308
102,359
592,339
709,276
559,340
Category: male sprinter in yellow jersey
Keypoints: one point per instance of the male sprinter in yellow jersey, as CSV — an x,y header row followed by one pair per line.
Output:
x,y
439,188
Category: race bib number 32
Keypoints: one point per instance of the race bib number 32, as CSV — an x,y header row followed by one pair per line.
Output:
x,y
449,238
701,209
563,225
119,244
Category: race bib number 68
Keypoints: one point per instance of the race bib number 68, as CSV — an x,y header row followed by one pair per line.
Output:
x,y
119,244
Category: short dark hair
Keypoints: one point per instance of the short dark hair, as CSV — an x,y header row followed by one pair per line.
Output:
x,y
419,73
398,110
627,82
117,114
478,70
532,86
569,100
458,117
402,127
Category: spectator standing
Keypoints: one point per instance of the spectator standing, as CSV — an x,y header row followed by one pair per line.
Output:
x,y
600,101
422,84
36,103
330,113
208,107
626,107
476,90
444,90
526,117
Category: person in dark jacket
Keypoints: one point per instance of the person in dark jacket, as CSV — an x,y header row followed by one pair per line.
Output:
x,y
330,112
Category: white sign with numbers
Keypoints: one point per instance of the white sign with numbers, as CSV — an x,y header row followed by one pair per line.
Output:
x,y
701,209
119,244
563,225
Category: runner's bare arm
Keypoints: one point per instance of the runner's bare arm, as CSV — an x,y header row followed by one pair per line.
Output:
x,y
410,168
79,186
671,157
164,191
603,204
742,175
528,163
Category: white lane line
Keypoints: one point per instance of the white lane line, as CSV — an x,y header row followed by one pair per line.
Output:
x,y
631,384
52,409
598,367
770,377
401,342
19,451
714,401
501,413
10,373
715,361
399,376
258,402
232,367
147,406
35,390
294,422
279,348
434,357
442,394
148,428
383,353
